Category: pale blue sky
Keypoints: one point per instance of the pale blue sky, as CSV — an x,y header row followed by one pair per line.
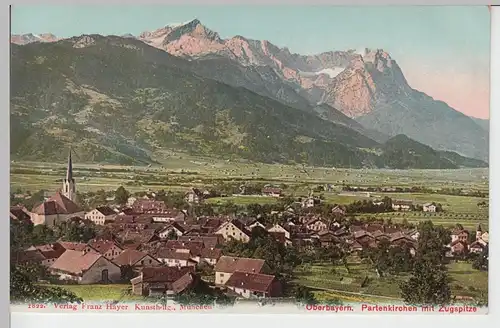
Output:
x,y
428,42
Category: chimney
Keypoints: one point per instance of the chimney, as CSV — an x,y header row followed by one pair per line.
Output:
x,y
253,270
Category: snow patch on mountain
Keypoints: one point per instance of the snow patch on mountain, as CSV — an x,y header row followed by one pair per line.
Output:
x,y
332,72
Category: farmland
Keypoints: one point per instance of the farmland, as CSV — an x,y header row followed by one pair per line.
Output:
x,y
180,173
335,281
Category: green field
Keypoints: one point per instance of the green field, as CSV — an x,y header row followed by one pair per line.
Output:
x,y
181,173
242,200
102,292
335,281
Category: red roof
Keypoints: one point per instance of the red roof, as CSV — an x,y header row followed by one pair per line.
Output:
x,y
164,274
75,262
231,264
57,204
129,257
255,282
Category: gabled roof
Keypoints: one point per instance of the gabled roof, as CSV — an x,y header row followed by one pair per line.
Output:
x,y
164,274
230,264
129,257
102,246
105,210
19,213
75,262
173,254
27,256
57,204
71,246
251,281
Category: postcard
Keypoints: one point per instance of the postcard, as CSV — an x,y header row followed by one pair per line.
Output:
x,y
280,159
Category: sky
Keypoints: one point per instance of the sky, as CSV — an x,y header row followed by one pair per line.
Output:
x,y
443,51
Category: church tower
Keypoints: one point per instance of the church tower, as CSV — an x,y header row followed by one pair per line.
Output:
x,y
69,187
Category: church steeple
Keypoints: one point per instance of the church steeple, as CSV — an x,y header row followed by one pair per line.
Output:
x,y
69,169
69,187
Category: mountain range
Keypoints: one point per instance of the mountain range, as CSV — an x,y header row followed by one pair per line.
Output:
x,y
183,87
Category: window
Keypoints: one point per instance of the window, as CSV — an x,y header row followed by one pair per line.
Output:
x,y
142,262
176,261
222,275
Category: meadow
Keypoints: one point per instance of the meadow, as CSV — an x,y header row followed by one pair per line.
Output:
x,y
180,173
362,284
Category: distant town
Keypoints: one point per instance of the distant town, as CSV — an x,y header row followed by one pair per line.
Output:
x,y
189,252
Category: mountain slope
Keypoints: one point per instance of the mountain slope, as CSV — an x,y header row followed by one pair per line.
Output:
x,y
73,91
485,124
401,152
367,85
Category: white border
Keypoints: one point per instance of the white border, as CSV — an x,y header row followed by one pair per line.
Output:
x,y
77,320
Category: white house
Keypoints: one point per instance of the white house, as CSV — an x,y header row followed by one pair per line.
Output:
x,y
279,228
429,207
100,215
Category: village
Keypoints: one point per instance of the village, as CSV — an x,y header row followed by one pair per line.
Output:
x,y
162,251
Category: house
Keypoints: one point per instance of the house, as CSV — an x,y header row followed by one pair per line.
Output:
x,y
327,238
316,224
476,247
100,215
355,247
56,209
272,192
234,229
339,210
209,240
254,285
175,257
29,256
50,252
19,213
253,223
108,249
65,245
136,259
131,200
413,234
85,268
429,207
172,228
457,248
402,205
193,196
157,281
210,255
310,202
172,215
280,228
485,236
149,206
227,265
460,235
481,235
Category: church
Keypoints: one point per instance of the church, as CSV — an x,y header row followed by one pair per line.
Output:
x,y
61,206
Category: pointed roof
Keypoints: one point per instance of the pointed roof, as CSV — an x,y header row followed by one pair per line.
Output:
x,y
57,204
479,228
69,169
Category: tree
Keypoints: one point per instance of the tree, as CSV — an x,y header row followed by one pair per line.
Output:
x,y
429,283
24,290
481,260
304,295
121,195
172,235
